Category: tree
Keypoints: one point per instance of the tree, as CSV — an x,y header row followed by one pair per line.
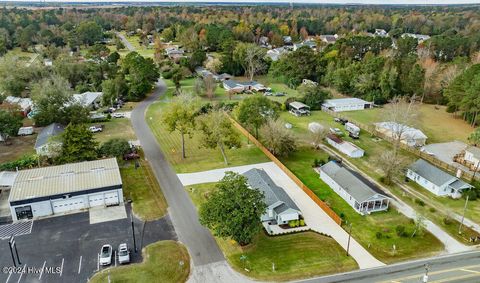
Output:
x,y
209,85
217,131
474,137
89,32
391,163
10,122
277,139
197,59
177,77
317,135
113,89
115,147
119,44
180,116
233,210
298,65
255,110
140,75
251,57
313,96
214,65
78,144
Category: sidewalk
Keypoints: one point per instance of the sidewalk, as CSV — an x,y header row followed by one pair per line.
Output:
x,y
314,216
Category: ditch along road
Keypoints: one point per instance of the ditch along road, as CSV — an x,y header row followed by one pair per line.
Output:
x,y
209,264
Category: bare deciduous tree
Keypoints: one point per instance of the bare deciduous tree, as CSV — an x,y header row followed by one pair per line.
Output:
x,y
277,138
317,135
209,86
391,164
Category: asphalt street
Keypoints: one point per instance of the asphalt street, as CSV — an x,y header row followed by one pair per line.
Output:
x,y
65,248
201,245
127,44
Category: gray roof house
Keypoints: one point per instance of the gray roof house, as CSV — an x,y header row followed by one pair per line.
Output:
x,y
280,207
47,143
436,180
358,192
236,86
89,99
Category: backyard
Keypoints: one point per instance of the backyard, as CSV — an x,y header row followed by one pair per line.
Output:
x,y
294,256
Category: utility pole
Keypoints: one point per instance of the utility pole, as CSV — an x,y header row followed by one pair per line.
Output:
x,y
463,216
349,236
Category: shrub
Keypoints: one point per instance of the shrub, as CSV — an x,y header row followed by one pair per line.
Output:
x,y
400,229
25,162
342,215
378,235
302,222
432,209
419,202
472,194
447,220
293,223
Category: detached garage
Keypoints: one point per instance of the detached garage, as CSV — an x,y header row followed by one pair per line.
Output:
x,y
65,188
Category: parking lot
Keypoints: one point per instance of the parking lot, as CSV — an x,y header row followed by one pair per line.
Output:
x,y
66,248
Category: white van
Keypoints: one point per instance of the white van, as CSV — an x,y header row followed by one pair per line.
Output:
x,y
25,131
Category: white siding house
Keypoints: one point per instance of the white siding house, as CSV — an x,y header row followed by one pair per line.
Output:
x,y
345,147
355,191
346,104
436,180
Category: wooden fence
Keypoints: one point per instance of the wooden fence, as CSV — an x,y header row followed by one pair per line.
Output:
x,y
467,175
289,173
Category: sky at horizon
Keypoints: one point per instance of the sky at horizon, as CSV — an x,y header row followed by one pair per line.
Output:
x,y
375,2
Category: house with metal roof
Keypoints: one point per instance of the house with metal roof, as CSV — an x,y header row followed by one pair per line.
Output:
x,y
346,104
345,147
280,207
236,86
408,135
436,180
48,140
299,109
358,192
65,188
89,99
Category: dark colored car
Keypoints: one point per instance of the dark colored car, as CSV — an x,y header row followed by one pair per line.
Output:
x,y
131,156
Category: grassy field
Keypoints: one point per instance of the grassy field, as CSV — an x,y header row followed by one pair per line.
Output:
x,y
115,128
164,261
437,124
198,157
140,185
21,55
295,256
141,49
20,146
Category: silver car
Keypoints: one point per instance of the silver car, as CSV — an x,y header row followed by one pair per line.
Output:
x,y
106,255
123,254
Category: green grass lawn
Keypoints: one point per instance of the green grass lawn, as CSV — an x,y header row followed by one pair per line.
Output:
x,y
21,55
141,49
164,261
115,128
295,256
198,157
140,185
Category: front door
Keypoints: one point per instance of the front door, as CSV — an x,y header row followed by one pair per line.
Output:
x,y
24,212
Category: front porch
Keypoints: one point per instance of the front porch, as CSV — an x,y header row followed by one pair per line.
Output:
x,y
372,206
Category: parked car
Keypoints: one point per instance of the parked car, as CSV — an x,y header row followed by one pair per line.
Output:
x,y
118,115
25,131
341,120
106,255
131,156
280,94
109,110
123,254
336,131
96,129
268,93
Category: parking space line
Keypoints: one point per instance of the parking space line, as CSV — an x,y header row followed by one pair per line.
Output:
x,y
41,271
115,257
80,265
98,262
61,268
21,274
8,278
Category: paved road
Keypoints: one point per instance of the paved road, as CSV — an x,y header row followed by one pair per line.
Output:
x,y
125,41
463,267
200,243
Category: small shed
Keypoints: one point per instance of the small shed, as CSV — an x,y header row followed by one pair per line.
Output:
x,y
345,147
299,109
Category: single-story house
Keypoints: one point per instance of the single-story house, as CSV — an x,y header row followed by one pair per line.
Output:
x,y
345,147
280,207
309,43
224,77
360,194
380,33
472,156
299,109
7,178
436,180
409,136
329,38
419,37
346,104
233,85
287,39
276,53
48,140
60,189
25,104
89,99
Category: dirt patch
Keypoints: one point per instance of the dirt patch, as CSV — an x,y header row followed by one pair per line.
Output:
x,y
19,146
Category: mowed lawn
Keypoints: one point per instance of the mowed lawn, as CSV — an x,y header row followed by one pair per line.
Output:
x,y
141,49
140,185
295,256
435,122
115,128
198,157
164,261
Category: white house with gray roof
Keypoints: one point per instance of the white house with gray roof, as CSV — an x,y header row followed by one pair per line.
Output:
x,y
62,189
280,207
346,104
360,194
436,180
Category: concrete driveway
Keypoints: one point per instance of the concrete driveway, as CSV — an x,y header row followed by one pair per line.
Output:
x,y
315,217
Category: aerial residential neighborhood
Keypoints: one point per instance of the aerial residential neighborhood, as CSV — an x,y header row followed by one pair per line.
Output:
x,y
239,142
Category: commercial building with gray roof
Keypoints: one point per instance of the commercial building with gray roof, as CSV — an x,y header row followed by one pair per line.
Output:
x,y
59,189
436,180
280,207
360,194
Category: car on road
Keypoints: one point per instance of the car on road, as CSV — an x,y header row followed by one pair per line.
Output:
x,y
106,255
118,115
336,131
96,129
123,254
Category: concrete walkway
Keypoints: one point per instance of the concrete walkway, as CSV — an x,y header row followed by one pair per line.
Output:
x,y
450,243
314,216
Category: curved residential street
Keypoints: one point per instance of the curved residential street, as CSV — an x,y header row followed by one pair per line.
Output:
x,y
209,264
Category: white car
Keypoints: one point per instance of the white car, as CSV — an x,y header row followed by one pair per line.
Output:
x,y
106,255
95,129
118,115
123,254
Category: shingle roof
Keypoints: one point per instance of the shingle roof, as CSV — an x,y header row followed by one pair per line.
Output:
x,y
51,130
259,179
435,174
352,184
64,179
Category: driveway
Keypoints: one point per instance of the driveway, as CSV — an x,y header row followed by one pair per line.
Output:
x,y
127,43
65,248
315,217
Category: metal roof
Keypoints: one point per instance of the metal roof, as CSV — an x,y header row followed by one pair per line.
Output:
x,y
435,175
64,179
474,150
344,101
259,179
87,98
407,132
298,105
49,131
349,182
7,178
